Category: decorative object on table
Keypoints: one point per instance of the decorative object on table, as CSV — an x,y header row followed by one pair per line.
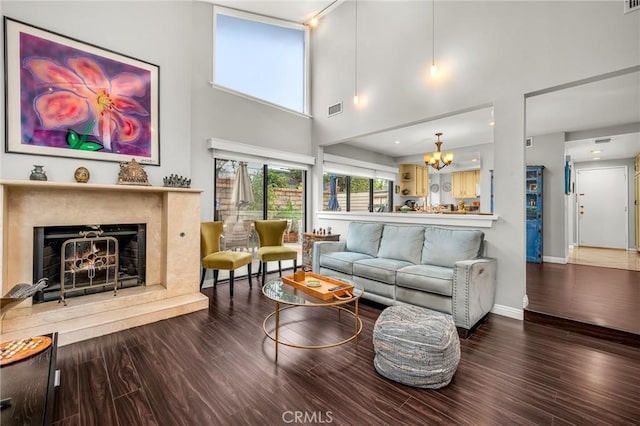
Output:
x,y
132,173
19,349
82,175
175,181
329,288
37,173
405,209
461,207
111,114
20,292
416,346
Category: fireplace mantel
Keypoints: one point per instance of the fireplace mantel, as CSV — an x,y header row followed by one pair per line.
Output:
x,y
172,216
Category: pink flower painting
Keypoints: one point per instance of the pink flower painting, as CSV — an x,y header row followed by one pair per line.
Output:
x,y
76,100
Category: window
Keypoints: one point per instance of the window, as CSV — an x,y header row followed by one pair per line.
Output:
x,y
261,57
356,194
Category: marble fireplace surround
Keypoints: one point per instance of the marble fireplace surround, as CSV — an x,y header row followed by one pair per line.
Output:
x,y
173,255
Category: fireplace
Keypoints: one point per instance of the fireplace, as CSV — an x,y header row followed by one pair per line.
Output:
x,y
169,281
90,258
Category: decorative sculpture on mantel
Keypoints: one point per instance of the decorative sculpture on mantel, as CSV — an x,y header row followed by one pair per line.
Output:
x,y
175,181
132,173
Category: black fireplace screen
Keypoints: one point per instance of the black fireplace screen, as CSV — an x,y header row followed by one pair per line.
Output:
x,y
50,242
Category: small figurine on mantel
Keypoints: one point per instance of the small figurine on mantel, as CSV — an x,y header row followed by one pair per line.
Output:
x,y
176,181
132,173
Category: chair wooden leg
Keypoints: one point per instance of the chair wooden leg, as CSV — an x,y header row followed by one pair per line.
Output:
x,y
295,265
259,270
215,277
204,272
231,284
249,275
280,267
264,271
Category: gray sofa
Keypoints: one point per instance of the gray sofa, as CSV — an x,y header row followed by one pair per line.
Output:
x,y
430,266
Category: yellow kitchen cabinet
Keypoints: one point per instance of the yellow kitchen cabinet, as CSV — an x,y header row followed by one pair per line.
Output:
x,y
464,184
414,180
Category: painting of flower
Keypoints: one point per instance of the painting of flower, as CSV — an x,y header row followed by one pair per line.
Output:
x,y
78,100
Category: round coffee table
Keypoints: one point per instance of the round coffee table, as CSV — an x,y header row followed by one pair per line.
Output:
x,y
286,297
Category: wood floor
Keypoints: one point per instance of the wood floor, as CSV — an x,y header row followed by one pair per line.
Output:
x,y
603,297
215,367
607,258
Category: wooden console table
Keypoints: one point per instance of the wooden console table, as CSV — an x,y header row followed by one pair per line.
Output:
x,y
307,246
30,385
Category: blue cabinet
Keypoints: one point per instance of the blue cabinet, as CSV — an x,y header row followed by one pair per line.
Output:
x,y
534,209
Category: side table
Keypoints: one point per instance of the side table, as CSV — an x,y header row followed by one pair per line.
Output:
x,y
30,385
307,246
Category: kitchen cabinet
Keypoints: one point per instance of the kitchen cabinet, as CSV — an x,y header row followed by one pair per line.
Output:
x,y
414,180
533,191
465,184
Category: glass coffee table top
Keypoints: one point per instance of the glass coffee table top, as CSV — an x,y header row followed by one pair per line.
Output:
x,y
278,291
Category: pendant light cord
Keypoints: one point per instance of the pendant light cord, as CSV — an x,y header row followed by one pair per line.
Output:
x,y
433,32
356,51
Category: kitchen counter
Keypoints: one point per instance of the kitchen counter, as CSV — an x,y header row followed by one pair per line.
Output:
x,y
466,219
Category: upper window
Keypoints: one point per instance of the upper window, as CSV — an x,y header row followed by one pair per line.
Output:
x,y
264,58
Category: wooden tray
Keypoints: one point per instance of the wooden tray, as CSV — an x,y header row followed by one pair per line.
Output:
x,y
321,292
19,349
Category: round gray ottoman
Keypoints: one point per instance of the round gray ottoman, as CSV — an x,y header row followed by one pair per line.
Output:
x,y
416,346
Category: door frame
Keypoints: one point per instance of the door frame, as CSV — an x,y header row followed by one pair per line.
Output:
x,y
626,196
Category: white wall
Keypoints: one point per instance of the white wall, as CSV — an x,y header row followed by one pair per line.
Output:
x,y
489,52
137,29
548,151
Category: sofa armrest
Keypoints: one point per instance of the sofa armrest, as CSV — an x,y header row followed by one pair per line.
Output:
x,y
474,288
323,247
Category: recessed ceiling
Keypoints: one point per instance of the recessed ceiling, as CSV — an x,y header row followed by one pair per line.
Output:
x,y
458,131
598,105
610,102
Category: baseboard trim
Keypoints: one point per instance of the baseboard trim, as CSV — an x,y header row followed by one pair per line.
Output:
x,y
554,259
508,311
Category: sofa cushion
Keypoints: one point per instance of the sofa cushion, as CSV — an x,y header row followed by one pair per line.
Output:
x,y
433,279
341,261
445,247
364,237
402,243
379,269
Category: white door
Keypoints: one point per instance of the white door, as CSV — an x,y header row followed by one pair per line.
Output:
x,y
602,207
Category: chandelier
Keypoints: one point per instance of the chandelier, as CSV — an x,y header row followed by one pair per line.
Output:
x,y
436,159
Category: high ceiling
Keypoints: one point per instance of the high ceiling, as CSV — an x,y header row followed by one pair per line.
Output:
x,y
601,104
299,11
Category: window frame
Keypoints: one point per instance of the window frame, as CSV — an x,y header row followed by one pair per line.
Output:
x,y
269,21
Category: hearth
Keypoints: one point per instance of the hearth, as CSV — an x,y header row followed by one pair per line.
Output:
x,y
91,258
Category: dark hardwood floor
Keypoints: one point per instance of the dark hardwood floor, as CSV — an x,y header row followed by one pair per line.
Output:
x,y
216,367
603,297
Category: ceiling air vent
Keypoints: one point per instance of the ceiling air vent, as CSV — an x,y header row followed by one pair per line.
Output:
x,y
603,140
631,5
337,108
528,142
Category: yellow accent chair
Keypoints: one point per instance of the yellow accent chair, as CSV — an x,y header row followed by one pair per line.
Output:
x,y
214,258
272,248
